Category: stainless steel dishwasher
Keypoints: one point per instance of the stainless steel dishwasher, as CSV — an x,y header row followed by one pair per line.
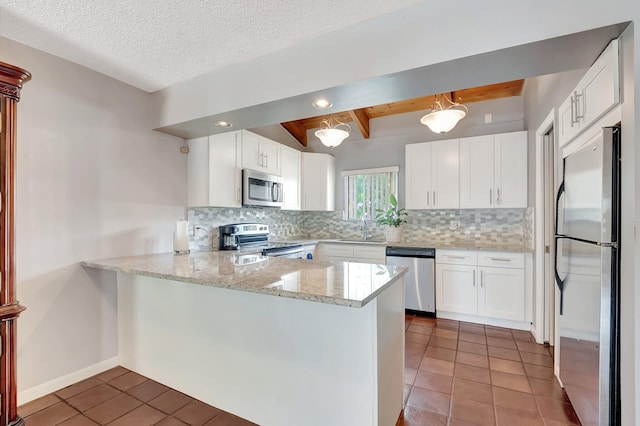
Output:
x,y
419,282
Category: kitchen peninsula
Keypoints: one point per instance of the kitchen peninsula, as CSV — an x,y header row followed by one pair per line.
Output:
x,y
276,341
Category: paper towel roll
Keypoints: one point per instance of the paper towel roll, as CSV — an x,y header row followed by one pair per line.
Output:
x,y
181,236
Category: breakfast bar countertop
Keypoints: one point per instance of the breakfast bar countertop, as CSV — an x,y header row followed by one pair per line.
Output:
x,y
339,283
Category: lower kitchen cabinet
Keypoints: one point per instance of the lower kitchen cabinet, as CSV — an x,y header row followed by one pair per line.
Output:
x,y
351,252
456,289
501,293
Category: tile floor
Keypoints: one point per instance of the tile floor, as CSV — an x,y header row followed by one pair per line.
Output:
x,y
455,374
469,374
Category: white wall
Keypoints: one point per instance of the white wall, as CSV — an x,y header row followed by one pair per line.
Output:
x,y
93,181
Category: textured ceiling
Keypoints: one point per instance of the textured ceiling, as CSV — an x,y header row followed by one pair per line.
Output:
x,y
153,44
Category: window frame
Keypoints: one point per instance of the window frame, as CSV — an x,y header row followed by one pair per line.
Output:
x,y
369,171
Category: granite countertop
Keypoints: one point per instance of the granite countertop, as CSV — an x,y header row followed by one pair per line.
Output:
x,y
339,283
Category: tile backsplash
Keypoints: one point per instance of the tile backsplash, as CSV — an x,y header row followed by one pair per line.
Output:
x,y
512,227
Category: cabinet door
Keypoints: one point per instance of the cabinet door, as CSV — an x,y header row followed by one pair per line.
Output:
x,y
600,86
291,173
510,170
198,172
225,170
252,158
418,176
445,174
476,172
270,151
456,289
318,182
501,293
568,126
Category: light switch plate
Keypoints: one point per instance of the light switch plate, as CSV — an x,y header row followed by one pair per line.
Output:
x,y
454,225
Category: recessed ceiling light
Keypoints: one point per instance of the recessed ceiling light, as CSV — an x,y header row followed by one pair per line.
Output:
x,y
322,103
222,123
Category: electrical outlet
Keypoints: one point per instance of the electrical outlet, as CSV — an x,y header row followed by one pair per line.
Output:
x,y
454,225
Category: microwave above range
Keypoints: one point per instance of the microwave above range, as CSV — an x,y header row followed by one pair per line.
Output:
x,y
261,189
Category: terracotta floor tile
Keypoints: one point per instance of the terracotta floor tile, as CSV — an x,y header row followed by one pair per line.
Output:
x,y
447,323
501,343
170,401
53,415
531,347
171,421
539,372
557,410
37,405
141,416
412,360
445,332
510,354
473,348
78,420
551,422
513,367
227,419
127,381
443,342
410,375
415,348
196,413
458,422
416,338
498,332
518,417
522,336
440,353
418,417
510,381
429,400
473,411
471,337
76,388
465,389
148,390
537,359
112,373
430,321
508,398
420,329
547,388
437,366
472,359
434,381
471,328
112,409
406,390
92,397
475,374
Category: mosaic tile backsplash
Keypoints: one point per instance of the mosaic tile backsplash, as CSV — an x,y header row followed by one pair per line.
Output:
x,y
513,227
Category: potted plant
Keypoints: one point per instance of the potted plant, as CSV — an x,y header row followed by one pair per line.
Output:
x,y
393,217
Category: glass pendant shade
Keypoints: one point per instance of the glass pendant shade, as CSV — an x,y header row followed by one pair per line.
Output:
x,y
442,121
332,137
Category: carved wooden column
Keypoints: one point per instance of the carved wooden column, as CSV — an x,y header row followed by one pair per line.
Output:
x,y
11,80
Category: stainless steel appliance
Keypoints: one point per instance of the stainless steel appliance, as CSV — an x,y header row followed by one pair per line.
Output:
x,y
419,281
255,237
261,189
587,275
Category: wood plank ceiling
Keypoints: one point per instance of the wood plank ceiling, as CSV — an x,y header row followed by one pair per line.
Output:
x,y
298,128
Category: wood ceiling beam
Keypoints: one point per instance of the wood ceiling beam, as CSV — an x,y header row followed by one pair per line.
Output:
x,y
360,117
297,130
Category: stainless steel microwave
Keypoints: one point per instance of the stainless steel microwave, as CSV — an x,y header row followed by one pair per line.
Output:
x,y
261,189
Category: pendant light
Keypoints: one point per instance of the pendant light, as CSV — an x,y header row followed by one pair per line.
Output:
x,y
441,119
331,135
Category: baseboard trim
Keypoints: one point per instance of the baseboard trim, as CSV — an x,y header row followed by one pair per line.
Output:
x,y
516,325
36,392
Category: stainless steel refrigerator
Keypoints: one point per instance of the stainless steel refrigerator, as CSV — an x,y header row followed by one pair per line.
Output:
x,y
587,275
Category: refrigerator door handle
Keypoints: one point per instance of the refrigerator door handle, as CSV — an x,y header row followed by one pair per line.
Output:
x,y
558,237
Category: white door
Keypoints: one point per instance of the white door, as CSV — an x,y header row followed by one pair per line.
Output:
x,y
510,151
290,172
476,172
600,87
318,180
501,293
568,126
445,175
252,158
225,170
270,151
456,289
418,176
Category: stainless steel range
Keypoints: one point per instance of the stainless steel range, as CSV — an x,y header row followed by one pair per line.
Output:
x,y
237,236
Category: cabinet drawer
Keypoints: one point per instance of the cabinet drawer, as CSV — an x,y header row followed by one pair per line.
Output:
x,y
370,252
500,259
457,257
340,250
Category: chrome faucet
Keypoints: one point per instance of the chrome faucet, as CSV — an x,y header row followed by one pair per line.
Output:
x,y
363,226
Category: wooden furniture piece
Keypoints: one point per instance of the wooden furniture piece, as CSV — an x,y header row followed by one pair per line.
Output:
x,y
11,81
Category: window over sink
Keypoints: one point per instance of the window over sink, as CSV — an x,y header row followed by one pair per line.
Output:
x,y
367,190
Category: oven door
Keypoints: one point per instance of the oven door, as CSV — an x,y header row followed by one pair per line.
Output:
x,y
261,189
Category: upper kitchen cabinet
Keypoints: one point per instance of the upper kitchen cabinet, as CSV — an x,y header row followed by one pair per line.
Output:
x,y
432,175
318,182
493,171
214,176
291,169
596,93
260,153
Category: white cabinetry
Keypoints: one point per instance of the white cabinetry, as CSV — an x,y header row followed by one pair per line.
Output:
x,y
214,176
291,172
485,287
432,175
493,171
318,181
351,252
260,153
596,93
